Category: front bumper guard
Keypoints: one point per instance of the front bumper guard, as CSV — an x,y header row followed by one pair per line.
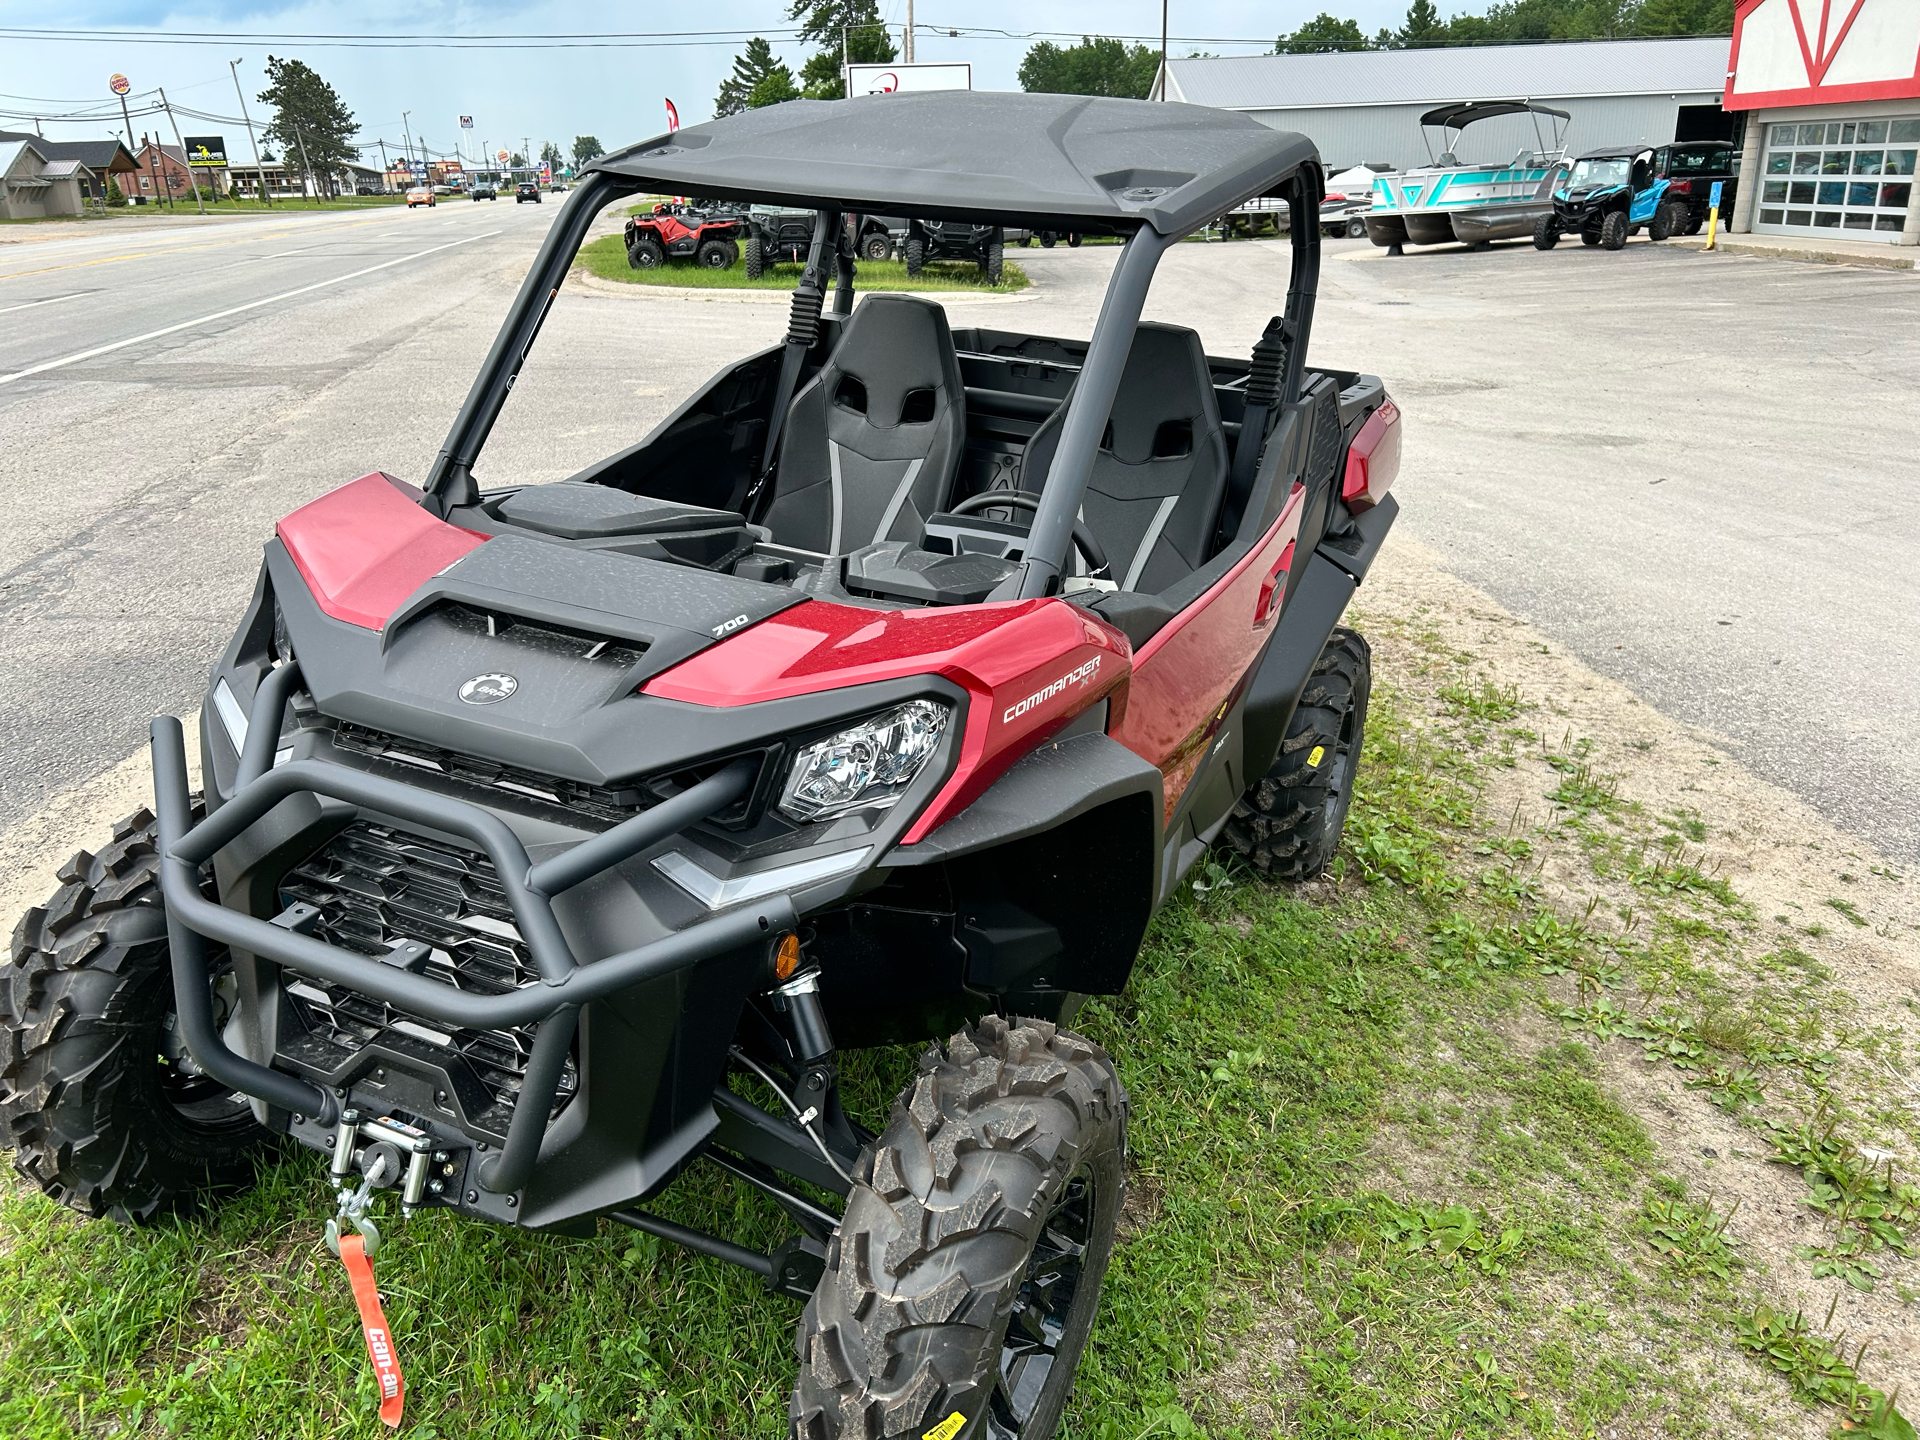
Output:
x,y
552,1003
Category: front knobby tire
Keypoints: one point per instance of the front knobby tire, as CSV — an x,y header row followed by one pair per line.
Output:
x,y
967,1271
1546,233
994,265
756,257
915,255
1288,825
1613,231
97,1097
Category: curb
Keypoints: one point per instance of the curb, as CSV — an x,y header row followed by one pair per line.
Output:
x,y
1898,258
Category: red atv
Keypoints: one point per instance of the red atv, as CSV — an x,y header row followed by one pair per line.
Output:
x,y
678,232
558,838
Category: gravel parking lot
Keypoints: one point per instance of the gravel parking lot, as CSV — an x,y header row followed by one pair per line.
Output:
x,y
1697,473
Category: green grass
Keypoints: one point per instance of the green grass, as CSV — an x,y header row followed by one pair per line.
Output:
x,y
606,258
1380,1187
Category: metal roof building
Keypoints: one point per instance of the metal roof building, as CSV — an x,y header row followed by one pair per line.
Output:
x,y
1364,106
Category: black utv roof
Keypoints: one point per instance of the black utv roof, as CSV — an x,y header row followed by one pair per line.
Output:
x,y
957,154
1463,113
1614,152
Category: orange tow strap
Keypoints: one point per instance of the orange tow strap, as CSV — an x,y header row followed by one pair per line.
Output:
x,y
373,1321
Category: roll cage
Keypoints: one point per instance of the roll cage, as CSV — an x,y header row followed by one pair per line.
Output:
x,y
1208,162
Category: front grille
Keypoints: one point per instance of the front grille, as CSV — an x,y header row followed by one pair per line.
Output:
x,y
375,886
602,804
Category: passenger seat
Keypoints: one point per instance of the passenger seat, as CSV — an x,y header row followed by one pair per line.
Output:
x,y
872,442
1161,471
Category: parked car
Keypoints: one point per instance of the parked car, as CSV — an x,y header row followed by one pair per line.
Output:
x,y
1690,169
526,190
1607,196
955,240
421,195
485,192
816,756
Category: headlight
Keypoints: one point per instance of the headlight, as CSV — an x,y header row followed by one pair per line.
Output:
x,y
867,767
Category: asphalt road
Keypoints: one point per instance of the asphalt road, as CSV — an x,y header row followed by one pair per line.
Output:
x,y
1696,473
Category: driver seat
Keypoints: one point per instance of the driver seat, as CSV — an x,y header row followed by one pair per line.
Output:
x,y
873,441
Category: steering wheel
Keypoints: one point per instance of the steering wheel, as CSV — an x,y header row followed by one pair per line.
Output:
x,y
1083,540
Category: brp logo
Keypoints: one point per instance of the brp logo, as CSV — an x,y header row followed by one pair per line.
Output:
x,y
488,689
884,84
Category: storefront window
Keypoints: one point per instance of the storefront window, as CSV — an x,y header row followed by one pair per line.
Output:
x,y
1850,148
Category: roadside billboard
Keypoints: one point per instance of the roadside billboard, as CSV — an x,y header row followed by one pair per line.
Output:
x,y
885,79
206,152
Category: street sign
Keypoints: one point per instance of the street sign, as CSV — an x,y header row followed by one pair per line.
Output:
x,y
119,84
886,79
466,122
206,152
1713,200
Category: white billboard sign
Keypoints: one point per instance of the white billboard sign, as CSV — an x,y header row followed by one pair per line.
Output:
x,y
885,79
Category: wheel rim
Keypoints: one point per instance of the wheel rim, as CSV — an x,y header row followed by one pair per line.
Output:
x,y
195,1096
1049,1289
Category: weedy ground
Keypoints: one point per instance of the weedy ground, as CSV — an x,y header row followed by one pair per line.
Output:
x,y
1530,1119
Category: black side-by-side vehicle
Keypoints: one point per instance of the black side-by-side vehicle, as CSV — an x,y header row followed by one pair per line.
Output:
x,y
559,837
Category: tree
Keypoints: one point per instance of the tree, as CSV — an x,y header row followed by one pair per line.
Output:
x,y
773,90
585,147
851,29
751,67
1686,17
518,162
310,119
1423,28
1321,34
1102,66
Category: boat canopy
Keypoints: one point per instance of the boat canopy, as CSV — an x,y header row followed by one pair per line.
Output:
x,y
1463,113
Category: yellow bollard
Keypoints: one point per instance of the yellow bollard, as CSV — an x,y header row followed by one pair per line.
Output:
x,y
1713,212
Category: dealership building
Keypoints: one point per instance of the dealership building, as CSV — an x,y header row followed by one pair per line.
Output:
x,y
1363,107
1831,90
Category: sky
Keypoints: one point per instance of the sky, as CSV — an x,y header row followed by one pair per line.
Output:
x,y
517,96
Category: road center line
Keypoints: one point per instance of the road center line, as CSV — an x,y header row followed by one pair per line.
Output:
x,y
55,300
235,310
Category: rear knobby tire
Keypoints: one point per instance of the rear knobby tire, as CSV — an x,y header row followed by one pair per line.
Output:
x,y
1288,825
97,1114
1661,225
713,255
877,247
994,265
756,258
973,1253
916,254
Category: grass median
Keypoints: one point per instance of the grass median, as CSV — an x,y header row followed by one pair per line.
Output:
x,y
1384,1178
606,258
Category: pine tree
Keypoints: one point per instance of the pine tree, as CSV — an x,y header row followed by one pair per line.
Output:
x,y
1321,34
750,68
585,148
1423,29
309,116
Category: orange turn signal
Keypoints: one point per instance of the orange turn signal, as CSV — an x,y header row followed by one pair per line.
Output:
x,y
786,956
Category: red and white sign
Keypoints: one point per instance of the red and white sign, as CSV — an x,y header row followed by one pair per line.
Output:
x,y
1823,52
119,84
673,118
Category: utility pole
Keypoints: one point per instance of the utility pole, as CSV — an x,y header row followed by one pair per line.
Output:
x,y
258,169
385,171
160,188
1163,49
908,57
306,165
406,137
185,159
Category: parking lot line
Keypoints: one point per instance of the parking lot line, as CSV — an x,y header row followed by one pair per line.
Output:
x,y
235,310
